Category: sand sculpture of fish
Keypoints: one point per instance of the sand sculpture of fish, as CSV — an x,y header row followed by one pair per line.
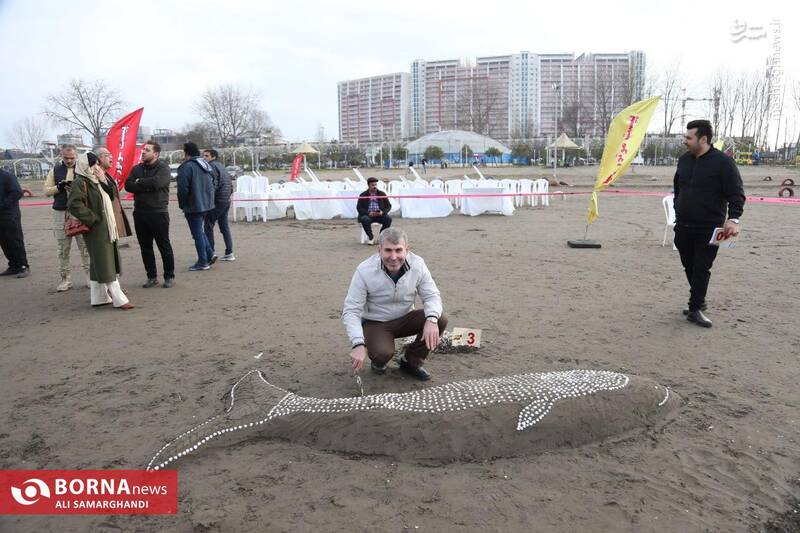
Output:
x,y
465,419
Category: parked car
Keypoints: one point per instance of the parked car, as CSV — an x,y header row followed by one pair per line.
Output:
x,y
173,170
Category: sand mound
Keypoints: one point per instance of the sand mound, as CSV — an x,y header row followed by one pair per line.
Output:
x,y
469,420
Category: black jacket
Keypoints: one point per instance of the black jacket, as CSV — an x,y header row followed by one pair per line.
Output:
x,y
363,203
10,193
150,184
224,186
706,188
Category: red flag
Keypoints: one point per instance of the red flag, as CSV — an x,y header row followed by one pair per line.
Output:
x,y
296,166
121,142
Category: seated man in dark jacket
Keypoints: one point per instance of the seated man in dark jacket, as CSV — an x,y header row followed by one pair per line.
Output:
x,y
372,209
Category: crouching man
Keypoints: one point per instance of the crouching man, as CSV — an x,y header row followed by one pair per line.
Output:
x,y
379,307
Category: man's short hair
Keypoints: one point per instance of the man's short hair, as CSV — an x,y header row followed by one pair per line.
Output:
x,y
372,180
191,149
393,235
704,129
68,147
100,150
213,153
155,145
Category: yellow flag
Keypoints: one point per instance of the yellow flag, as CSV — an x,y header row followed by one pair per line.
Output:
x,y
625,134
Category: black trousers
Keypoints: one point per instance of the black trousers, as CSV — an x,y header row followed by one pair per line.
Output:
x,y
12,241
154,226
697,256
366,221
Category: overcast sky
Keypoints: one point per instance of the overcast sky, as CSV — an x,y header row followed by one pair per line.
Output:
x,y
162,55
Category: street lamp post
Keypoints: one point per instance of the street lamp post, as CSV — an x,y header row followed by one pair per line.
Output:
x,y
556,88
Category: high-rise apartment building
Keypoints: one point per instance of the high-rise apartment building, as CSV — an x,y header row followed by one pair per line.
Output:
x,y
505,97
587,91
374,109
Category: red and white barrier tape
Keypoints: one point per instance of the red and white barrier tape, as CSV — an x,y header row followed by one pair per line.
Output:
x,y
621,192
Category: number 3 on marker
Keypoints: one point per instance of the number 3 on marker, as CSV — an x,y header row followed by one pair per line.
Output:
x,y
470,338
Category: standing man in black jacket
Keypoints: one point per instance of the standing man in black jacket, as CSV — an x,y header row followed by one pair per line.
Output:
x,y
149,182
222,204
374,209
11,238
708,194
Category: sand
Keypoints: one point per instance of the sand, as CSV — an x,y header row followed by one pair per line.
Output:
x,y
102,388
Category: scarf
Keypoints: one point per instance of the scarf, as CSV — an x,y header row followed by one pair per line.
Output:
x,y
82,168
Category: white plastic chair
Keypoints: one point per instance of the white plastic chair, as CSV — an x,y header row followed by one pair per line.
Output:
x,y
259,197
454,187
240,197
511,187
396,187
437,183
669,212
525,191
364,238
542,188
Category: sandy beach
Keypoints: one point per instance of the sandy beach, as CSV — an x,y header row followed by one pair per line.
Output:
x,y
104,389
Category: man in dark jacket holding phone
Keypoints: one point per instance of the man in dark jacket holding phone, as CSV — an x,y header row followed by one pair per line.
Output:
x,y
149,182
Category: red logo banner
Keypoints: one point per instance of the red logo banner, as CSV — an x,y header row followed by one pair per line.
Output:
x,y
121,142
296,166
88,492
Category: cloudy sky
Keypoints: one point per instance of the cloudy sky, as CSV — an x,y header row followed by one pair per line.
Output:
x,y
162,55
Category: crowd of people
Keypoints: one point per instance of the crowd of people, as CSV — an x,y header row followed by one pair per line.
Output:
x,y
379,306
87,209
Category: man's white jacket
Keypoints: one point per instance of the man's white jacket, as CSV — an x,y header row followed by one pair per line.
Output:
x,y
374,296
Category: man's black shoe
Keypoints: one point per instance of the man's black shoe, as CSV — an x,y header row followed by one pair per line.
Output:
x,y
698,318
417,372
377,368
213,259
23,272
10,272
702,308
151,282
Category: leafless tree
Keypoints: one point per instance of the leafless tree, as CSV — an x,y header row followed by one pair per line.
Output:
x,y
232,111
28,134
796,101
88,105
669,86
477,103
728,103
198,133
605,106
748,87
713,103
573,113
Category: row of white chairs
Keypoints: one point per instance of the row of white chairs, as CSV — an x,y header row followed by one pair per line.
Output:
x,y
252,191
526,191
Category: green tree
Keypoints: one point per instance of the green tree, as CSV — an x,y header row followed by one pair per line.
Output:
x,y
433,152
466,153
522,149
494,153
